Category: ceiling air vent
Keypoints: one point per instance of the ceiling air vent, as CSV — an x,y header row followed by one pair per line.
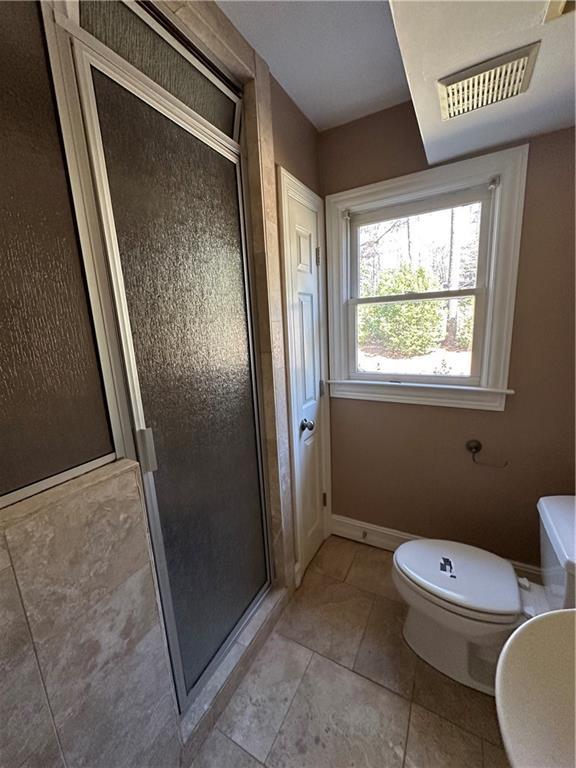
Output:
x,y
487,83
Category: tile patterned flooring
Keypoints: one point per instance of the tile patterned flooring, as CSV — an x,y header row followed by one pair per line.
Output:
x,y
336,686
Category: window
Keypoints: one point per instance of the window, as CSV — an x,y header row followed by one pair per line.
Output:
x,y
418,289
422,283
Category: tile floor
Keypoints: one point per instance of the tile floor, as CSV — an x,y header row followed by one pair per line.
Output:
x,y
335,686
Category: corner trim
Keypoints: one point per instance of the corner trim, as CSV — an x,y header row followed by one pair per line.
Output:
x,y
390,539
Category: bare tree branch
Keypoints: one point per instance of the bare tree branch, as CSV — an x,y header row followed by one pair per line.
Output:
x,y
395,225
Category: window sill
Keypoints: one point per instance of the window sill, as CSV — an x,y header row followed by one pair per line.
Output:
x,y
447,395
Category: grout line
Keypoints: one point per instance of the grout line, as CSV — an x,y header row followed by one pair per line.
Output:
x,y
227,736
333,581
407,735
349,669
370,612
375,597
313,650
39,669
353,560
354,556
458,725
380,685
290,705
448,719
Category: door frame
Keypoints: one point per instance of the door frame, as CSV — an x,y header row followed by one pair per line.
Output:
x,y
73,53
291,187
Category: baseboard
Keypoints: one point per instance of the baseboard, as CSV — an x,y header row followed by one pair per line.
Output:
x,y
530,572
388,538
368,533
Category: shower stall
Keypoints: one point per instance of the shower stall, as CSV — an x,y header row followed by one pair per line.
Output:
x,y
156,133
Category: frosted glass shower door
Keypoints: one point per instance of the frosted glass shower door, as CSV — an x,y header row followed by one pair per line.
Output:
x,y
171,195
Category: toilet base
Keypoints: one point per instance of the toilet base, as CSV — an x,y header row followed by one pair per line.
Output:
x,y
453,654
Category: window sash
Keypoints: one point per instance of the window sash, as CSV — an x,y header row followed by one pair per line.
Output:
x,y
417,296
482,194
415,205
474,379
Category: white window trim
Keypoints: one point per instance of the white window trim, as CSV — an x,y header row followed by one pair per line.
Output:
x,y
509,168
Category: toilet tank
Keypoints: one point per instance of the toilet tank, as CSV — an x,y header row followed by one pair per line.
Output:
x,y
558,549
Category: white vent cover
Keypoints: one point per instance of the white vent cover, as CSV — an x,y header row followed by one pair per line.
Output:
x,y
487,83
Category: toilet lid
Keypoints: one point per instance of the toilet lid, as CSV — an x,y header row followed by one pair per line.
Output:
x,y
461,574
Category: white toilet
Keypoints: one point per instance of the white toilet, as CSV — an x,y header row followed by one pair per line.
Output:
x,y
465,602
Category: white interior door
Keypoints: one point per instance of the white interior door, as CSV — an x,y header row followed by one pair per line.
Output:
x,y
302,229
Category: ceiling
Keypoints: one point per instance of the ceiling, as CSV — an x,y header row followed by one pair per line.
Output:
x,y
337,60
438,38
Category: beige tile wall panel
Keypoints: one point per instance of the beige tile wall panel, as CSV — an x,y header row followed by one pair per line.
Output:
x,y
82,562
27,735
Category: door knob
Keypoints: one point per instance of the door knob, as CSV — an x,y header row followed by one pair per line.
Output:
x,y
306,424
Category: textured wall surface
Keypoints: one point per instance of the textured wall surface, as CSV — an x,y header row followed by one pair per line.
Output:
x,y
404,466
84,671
49,377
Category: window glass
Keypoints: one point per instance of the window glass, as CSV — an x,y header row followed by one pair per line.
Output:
x,y
432,251
430,337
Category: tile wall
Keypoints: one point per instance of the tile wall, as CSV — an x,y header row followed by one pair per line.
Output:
x,y
84,670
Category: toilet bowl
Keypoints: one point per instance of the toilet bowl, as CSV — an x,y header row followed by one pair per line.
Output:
x,y
464,602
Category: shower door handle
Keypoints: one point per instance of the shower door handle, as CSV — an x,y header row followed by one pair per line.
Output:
x,y
146,450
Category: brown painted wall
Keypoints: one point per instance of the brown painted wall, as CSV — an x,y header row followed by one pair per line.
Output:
x,y
377,147
404,466
295,138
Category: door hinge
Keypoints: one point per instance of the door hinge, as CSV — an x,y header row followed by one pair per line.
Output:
x,y
145,448
324,499
317,255
322,388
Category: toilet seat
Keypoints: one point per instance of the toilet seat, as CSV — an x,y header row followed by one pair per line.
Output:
x,y
464,580
501,620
